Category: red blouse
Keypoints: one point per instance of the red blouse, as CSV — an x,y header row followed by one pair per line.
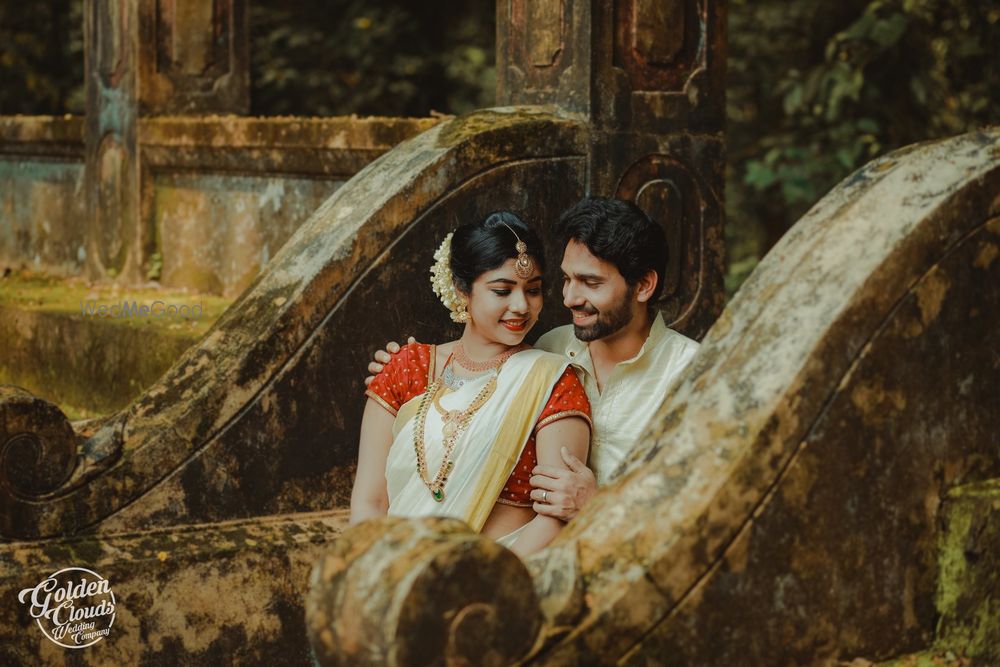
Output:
x,y
411,370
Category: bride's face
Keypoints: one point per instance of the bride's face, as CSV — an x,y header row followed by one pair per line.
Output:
x,y
503,306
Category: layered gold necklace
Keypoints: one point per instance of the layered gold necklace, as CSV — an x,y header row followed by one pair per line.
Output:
x,y
455,421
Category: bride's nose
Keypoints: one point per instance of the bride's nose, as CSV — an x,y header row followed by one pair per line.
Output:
x,y
518,303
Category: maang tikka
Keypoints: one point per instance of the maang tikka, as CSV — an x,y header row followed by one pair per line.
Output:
x,y
523,266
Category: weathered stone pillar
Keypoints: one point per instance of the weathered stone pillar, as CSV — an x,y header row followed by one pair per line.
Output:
x,y
147,57
649,75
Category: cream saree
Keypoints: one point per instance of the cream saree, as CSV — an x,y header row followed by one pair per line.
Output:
x,y
486,452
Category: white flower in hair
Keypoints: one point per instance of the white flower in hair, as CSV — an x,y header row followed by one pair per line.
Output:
x,y
443,284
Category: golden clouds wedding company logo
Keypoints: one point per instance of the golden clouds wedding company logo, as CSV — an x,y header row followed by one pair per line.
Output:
x,y
74,607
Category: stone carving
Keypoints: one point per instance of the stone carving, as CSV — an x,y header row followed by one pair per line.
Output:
x,y
658,29
539,50
192,37
37,448
784,504
671,194
659,44
112,178
484,608
194,57
545,28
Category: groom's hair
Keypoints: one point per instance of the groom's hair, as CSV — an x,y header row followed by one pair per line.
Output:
x,y
619,232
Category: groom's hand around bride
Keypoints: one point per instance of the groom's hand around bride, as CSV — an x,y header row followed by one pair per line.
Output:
x,y
559,492
384,356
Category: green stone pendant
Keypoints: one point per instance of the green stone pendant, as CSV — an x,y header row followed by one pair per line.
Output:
x,y
438,494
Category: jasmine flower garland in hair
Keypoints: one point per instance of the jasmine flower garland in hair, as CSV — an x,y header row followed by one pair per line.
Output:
x,y
443,284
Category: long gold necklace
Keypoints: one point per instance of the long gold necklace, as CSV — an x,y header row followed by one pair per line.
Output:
x,y
455,423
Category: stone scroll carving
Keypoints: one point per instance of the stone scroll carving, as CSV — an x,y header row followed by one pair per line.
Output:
x,y
394,572
37,447
784,505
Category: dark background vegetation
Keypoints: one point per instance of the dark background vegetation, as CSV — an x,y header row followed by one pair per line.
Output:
x,y
816,88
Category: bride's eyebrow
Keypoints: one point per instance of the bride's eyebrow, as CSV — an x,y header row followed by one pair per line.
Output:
x,y
508,281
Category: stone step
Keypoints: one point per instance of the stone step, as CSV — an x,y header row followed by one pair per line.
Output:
x,y
91,348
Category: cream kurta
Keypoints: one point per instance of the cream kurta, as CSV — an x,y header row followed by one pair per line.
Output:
x,y
632,393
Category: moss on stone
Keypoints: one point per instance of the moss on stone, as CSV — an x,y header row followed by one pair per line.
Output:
x,y
41,292
86,363
969,579
459,129
934,658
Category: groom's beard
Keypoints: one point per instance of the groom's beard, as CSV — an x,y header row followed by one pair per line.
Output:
x,y
607,323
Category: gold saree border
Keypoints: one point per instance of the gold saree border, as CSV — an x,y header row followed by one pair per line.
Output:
x,y
514,432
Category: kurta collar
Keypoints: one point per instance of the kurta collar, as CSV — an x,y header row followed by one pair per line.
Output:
x,y
656,333
578,350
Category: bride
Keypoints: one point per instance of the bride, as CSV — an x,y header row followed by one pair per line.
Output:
x,y
455,429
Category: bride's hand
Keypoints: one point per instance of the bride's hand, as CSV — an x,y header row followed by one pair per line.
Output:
x,y
382,357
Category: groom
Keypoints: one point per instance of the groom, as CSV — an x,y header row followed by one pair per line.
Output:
x,y
627,358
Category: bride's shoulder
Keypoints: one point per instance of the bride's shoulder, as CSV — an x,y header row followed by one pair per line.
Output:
x,y
442,351
446,348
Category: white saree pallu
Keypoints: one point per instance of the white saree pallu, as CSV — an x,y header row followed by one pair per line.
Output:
x,y
485,454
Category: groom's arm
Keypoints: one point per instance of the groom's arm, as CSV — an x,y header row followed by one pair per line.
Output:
x,y
562,492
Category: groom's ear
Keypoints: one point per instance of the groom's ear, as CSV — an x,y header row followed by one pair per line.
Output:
x,y
646,286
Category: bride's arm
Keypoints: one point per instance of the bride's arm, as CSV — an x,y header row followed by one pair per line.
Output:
x,y
369,497
573,433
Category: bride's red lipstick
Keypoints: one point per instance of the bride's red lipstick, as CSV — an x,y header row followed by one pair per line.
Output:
x,y
516,326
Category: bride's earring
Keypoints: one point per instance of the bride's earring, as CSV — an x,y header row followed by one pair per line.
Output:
x,y
463,315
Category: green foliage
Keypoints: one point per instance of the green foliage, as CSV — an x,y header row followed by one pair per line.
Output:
x,y
388,58
155,266
818,89
41,57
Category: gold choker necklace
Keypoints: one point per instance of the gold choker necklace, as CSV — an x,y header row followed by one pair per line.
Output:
x,y
468,364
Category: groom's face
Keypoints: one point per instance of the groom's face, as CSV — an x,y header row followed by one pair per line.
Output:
x,y
596,292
